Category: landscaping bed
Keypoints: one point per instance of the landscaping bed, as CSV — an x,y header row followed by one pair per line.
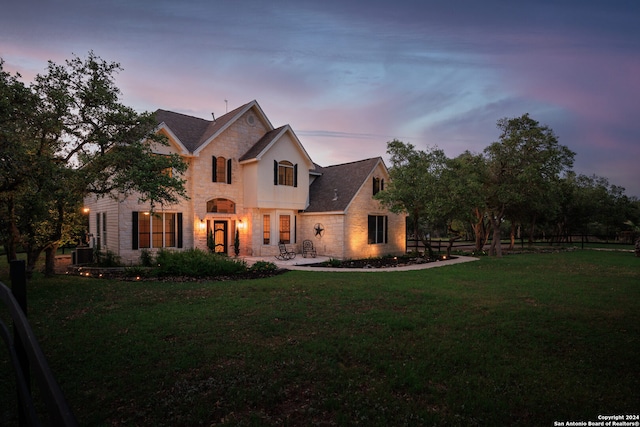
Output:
x,y
135,274
384,262
182,266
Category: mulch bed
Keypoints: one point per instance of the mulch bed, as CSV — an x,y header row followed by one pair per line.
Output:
x,y
386,262
120,273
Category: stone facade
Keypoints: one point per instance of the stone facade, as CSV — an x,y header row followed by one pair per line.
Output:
x,y
345,234
248,142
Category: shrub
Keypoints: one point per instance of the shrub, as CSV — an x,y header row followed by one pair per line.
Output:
x,y
146,258
107,259
333,262
263,267
197,263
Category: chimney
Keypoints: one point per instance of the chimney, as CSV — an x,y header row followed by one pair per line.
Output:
x,y
214,116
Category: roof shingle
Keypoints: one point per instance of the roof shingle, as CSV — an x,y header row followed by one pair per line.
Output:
x,y
338,185
193,131
332,191
261,144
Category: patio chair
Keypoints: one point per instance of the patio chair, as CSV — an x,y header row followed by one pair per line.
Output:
x,y
308,249
284,253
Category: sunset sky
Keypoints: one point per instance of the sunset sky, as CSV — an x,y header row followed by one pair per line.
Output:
x,y
349,76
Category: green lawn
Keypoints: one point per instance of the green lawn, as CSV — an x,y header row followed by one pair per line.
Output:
x,y
523,340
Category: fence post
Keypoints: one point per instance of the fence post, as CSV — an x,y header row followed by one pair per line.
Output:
x,y
18,274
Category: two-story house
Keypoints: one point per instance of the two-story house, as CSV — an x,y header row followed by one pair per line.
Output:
x,y
248,176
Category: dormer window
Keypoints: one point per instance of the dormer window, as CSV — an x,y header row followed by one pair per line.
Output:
x,y
378,185
285,173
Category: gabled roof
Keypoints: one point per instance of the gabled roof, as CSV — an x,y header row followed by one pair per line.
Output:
x,y
219,125
260,146
195,133
187,129
339,184
270,138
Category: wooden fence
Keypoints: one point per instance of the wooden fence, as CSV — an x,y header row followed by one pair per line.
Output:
x,y
582,241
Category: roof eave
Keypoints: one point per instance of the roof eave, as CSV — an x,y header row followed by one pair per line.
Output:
x,y
323,213
166,128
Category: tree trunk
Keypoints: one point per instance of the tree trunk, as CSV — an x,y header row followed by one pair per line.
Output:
x,y
479,230
486,235
12,238
532,230
50,260
496,244
512,236
450,245
32,258
428,253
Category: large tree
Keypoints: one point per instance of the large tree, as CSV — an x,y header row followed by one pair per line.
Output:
x,y
417,187
77,138
591,205
18,105
522,168
467,175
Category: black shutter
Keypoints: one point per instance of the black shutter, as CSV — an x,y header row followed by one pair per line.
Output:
x,y
381,184
374,186
134,230
214,168
275,172
98,232
228,171
295,175
386,229
179,229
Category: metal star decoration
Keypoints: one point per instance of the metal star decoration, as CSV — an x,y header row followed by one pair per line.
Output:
x,y
319,229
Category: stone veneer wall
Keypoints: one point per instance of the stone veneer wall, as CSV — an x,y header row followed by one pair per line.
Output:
x,y
345,236
331,243
230,144
357,226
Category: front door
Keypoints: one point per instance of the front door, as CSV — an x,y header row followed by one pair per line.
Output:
x,y
220,236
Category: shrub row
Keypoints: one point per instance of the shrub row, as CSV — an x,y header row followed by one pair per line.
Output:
x,y
190,263
197,263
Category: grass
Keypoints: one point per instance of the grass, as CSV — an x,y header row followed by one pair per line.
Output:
x,y
524,340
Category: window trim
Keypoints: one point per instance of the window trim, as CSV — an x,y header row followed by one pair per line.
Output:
x,y
285,173
145,239
284,231
221,166
378,185
377,229
266,229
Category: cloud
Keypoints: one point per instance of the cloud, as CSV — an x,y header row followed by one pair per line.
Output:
x,y
349,77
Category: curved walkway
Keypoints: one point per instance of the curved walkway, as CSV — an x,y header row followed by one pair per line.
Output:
x,y
300,263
